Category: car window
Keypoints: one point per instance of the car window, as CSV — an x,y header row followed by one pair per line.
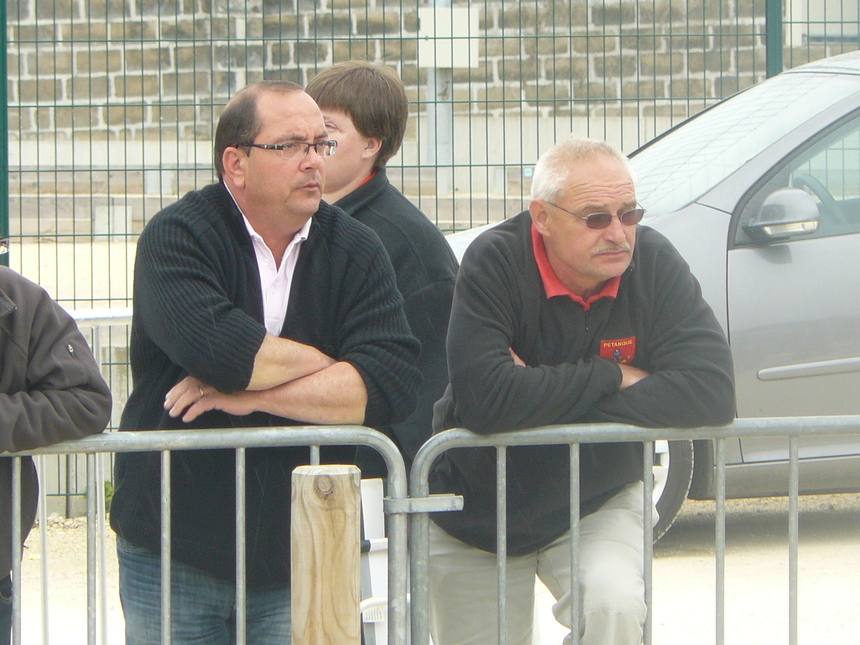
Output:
x,y
829,172
688,161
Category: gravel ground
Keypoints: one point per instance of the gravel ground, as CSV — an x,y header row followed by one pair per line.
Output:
x,y
757,599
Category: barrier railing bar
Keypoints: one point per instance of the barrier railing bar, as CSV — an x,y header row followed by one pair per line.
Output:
x,y
92,500
43,538
648,526
166,588
720,539
502,542
100,546
575,596
793,537
16,551
241,551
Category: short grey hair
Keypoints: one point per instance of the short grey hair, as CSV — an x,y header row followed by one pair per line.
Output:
x,y
552,171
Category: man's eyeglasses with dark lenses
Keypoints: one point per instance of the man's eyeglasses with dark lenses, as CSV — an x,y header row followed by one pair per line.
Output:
x,y
602,220
296,149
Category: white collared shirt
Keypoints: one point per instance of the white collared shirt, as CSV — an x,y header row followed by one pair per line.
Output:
x,y
275,280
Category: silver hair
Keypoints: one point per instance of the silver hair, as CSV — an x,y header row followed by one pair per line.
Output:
x,y
552,171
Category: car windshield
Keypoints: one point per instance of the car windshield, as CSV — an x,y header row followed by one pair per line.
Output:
x,y
689,161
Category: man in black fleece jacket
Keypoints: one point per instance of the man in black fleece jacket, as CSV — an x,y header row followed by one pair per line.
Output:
x,y
566,313
365,109
255,304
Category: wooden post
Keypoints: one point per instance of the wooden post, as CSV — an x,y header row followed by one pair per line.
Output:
x,y
325,537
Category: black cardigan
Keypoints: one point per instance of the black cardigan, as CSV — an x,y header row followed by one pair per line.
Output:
x,y
198,310
500,303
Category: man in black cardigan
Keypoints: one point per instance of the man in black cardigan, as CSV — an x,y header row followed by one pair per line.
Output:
x,y
255,304
365,109
567,313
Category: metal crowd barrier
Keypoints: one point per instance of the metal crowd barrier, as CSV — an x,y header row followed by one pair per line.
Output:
x,y
166,441
403,561
573,436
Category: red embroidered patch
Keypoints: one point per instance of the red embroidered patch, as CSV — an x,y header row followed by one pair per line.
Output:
x,y
622,350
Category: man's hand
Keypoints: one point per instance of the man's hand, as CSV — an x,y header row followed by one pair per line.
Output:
x,y
191,398
517,359
631,375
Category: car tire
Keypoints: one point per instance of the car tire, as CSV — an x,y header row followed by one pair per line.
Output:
x,y
673,473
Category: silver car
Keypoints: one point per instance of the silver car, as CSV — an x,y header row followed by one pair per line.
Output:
x,y
761,194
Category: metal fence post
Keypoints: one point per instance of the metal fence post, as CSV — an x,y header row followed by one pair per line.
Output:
x,y
773,37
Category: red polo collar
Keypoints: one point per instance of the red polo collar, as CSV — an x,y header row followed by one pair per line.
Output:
x,y
554,287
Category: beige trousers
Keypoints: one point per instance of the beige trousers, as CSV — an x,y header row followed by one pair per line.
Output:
x,y
464,582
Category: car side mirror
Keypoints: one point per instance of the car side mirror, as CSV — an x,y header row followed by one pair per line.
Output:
x,y
785,212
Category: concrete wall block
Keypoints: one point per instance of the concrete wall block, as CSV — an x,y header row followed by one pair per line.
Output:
x,y
353,48
594,91
716,10
615,66
136,86
187,84
750,9
494,47
713,61
44,32
621,13
93,88
329,25
547,94
98,60
670,64
545,45
691,87
123,115
498,97
732,35
307,52
76,118
483,74
664,12
42,90
518,70
378,21
592,45
645,89
354,5
56,10
566,68
184,29
280,55
643,40
751,60
398,49
51,62
132,30
107,10
153,59
282,26
518,16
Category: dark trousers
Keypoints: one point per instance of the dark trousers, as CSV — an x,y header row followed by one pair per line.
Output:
x,y
6,610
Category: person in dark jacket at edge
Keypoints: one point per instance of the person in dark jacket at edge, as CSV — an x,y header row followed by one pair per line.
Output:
x,y
365,108
568,313
51,390
255,304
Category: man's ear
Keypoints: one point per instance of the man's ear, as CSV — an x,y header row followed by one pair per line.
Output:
x,y
372,148
234,161
539,213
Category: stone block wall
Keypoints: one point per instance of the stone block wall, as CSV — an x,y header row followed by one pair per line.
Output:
x,y
132,89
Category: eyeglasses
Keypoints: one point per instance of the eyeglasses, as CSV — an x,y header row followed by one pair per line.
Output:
x,y
294,150
602,220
